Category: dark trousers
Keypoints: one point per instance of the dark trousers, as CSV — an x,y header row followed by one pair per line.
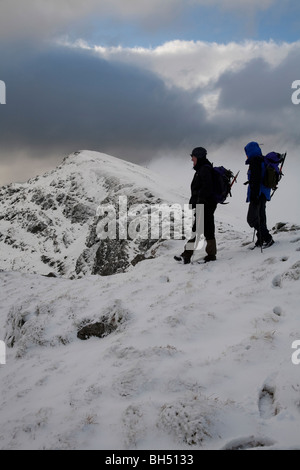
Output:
x,y
209,221
257,219
209,232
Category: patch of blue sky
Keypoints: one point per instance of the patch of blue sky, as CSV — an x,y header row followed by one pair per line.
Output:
x,y
199,23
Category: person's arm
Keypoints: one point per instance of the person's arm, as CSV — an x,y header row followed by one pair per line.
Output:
x,y
255,178
205,193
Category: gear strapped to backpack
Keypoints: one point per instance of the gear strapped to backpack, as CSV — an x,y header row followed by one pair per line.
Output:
x,y
272,170
223,181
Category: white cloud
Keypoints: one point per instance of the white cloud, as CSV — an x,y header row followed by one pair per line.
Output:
x,y
193,64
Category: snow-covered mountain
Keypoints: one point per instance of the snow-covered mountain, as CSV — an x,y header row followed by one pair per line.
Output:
x,y
49,224
156,356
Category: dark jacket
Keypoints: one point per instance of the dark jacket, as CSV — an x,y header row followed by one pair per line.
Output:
x,y
254,178
255,173
202,184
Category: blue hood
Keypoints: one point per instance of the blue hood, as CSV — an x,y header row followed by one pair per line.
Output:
x,y
253,150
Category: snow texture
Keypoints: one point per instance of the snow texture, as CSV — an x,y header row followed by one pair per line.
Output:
x,y
156,356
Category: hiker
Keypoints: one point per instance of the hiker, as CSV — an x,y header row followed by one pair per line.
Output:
x,y
257,195
202,193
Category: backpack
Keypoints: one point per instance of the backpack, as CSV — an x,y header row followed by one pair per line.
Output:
x,y
272,173
223,180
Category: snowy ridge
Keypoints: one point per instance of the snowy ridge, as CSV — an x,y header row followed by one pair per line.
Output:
x,y
200,357
159,356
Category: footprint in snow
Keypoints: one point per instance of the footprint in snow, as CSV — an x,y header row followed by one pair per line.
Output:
x,y
249,442
293,273
266,402
277,310
277,281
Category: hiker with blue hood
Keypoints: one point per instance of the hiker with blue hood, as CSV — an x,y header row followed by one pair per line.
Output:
x,y
202,192
257,195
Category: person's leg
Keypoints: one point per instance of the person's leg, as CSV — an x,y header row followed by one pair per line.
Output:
x,y
188,251
265,234
209,232
253,220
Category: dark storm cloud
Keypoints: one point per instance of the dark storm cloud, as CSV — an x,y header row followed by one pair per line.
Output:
x,y
258,98
259,86
62,100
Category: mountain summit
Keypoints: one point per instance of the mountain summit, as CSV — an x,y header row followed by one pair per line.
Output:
x,y
49,224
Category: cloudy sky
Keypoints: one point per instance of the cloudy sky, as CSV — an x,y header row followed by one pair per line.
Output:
x,y
145,80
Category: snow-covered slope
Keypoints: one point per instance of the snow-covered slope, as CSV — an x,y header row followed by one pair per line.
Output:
x,y
49,223
186,357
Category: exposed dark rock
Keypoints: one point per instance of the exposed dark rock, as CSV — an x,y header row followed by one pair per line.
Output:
x,y
46,201
140,257
85,261
58,264
98,329
111,257
36,227
92,236
81,213
285,227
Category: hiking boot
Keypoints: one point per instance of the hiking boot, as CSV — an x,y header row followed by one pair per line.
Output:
x,y
182,259
269,243
211,250
208,258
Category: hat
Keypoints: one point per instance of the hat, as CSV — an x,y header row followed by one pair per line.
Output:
x,y
199,152
252,149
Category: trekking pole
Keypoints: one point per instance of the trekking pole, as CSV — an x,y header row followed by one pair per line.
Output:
x,y
282,163
259,230
234,179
